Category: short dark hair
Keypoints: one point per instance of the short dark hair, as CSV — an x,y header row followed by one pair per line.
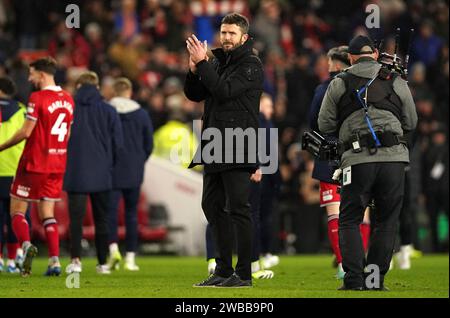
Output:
x,y
7,86
46,65
238,19
339,53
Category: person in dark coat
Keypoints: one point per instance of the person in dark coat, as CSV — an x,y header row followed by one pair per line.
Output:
x,y
128,173
231,86
93,148
263,191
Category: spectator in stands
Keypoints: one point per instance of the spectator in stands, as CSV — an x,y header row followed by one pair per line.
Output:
x,y
72,42
267,25
128,173
31,18
154,22
126,22
94,145
427,45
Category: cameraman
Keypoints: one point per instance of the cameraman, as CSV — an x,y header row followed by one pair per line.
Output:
x,y
323,170
371,129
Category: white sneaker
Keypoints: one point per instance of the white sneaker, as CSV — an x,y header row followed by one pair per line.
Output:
x,y
114,261
74,267
11,267
269,261
131,266
263,274
103,269
256,266
403,257
130,262
211,266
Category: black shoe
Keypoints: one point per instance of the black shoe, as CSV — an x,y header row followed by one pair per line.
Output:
x,y
211,281
235,281
343,287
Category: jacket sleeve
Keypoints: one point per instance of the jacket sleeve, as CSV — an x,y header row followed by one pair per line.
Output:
x,y
148,135
328,114
194,89
319,94
409,114
116,135
248,76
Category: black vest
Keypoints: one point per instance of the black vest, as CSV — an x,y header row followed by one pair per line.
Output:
x,y
380,95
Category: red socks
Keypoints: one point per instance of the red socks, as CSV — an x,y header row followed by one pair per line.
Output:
x,y
12,250
51,232
21,228
364,228
333,236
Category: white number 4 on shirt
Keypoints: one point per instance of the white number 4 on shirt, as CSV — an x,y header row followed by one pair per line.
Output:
x,y
59,128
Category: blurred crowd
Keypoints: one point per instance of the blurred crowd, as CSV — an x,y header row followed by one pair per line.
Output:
x,y
144,40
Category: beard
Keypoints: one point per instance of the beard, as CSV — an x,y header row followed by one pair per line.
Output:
x,y
229,46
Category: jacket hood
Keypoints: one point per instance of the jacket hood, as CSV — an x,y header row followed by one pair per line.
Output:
x,y
87,95
365,67
124,105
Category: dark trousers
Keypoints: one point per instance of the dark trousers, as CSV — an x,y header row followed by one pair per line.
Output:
x,y
407,215
225,202
266,215
255,208
131,198
77,211
383,182
210,248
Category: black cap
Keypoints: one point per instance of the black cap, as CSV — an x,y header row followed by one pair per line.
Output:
x,y
357,43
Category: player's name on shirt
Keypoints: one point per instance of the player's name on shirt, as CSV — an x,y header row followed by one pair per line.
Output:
x,y
57,151
60,104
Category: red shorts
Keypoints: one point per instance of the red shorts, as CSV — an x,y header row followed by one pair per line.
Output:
x,y
32,186
329,194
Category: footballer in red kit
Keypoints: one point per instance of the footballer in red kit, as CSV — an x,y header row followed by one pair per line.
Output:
x,y
43,162
40,173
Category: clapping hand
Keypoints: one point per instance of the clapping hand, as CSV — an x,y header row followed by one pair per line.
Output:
x,y
197,51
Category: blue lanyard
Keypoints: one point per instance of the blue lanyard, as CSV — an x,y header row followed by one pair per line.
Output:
x,y
363,102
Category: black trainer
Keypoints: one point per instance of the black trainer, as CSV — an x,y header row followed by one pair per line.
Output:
x,y
211,281
235,281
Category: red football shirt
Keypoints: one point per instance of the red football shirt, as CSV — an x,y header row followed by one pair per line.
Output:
x,y
46,149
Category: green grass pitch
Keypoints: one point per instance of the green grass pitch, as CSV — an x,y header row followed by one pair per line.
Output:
x,y
172,277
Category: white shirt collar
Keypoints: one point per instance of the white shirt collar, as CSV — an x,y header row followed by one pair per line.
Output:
x,y
54,88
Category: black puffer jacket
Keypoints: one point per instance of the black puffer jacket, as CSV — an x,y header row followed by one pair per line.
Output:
x,y
231,85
